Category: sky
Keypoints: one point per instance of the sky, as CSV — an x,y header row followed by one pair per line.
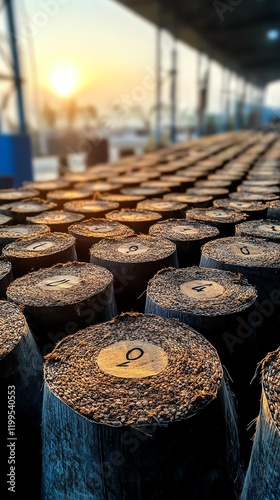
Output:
x,y
109,53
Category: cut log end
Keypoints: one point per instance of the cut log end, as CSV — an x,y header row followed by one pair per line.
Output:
x,y
131,362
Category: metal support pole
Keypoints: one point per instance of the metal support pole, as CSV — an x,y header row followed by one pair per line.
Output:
x,y
158,88
198,84
16,65
173,132
202,87
227,100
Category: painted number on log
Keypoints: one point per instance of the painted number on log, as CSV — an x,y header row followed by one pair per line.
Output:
x,y
132,249
132,355
132,359
202,289
39,246
270,228
100,229
54,217
187,230
217,213
246,250
59,282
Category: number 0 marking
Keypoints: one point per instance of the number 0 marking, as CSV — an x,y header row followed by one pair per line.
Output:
x,y
130,357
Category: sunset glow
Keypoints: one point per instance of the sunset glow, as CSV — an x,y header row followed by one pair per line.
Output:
x,y
64,80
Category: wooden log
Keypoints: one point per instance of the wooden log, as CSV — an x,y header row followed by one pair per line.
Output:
x,y
126,389
262,478
170,168
190,200
162,185
124,200
215,183
21,378
133,261
62,299
216,303
57,220
145,191
5,220
126,180
147,173
243,196
62,196
258,189
6,276
185,182
138,220
20,210
264,182
188,238
8,234
259,261
273,211
267,229
91,208
225,175
166,208
92,231
87,176
30,254
223,220
98,187
253,209
45,186
10,195
215,192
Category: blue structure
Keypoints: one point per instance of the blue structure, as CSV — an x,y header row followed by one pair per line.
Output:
x,y
15,149
15,160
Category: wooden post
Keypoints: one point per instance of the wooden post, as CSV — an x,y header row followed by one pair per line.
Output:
x,y
5,220
8,234
273,211
253,209
187,236
45,186
138,220
124,200
267,229
126,389
216,192
133,261
92,231
64,298
30,254
20,210
262,478
217,304
190,200
57,220
166,208
147,192
91,208
264,197
259,261
11,195
21,376
62,196
6,276
223,220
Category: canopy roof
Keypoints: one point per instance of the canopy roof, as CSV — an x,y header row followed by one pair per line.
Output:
x,y
232,32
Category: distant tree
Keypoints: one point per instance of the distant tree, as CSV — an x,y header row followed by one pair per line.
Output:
x,y
71,111
49,116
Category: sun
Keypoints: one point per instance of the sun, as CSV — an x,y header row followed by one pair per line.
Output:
x,y
64,80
